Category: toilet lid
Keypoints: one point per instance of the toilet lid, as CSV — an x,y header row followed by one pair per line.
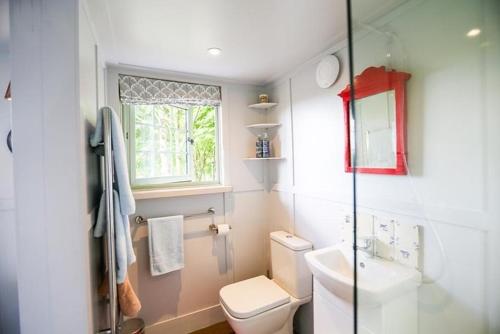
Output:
x,y
248,298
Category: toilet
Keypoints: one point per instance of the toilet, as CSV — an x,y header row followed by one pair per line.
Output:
x,y
260,305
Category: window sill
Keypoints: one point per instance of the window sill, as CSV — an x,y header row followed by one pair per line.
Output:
x,y
180,192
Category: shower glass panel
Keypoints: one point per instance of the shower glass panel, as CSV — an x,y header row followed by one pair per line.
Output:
x,y
427,235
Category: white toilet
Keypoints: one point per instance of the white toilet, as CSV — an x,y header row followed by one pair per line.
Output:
x,y
262,306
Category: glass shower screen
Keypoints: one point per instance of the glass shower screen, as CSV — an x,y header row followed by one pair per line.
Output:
x,y
428,238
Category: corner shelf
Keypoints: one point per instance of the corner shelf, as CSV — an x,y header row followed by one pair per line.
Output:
x,y
270,158
263,125
267,105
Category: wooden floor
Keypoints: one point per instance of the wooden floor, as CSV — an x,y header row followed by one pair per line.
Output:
x,y
220,328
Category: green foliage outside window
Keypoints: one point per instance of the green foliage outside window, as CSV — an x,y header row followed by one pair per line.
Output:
x,y
204,136
174,143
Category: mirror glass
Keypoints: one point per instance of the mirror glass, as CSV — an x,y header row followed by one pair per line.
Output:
x,y
375,127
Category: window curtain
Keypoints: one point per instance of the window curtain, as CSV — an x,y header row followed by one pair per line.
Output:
x,y
140,90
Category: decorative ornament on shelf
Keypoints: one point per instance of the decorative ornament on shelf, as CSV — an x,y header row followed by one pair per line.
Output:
x,y
263,98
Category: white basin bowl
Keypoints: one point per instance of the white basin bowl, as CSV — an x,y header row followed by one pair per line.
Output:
x,y
378,280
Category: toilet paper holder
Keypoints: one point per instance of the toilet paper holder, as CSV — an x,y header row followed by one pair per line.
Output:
x,y
212,227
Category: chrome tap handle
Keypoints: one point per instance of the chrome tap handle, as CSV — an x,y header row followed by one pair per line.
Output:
x,y
367,246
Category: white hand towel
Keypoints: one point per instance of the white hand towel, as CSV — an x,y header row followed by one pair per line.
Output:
x,y
166,244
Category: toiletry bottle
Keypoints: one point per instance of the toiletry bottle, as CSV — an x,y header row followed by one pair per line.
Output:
x,y
258,147
265,146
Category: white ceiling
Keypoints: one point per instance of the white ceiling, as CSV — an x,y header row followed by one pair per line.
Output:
x,y
260,39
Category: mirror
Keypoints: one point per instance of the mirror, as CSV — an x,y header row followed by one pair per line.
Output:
x,y
376,130
378,123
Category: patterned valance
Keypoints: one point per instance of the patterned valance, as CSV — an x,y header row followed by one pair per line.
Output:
x,y
140,90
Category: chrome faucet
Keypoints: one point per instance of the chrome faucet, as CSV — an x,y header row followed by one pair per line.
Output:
x,y
367,245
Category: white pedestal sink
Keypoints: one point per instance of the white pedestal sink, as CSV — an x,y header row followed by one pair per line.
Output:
x,y
387,293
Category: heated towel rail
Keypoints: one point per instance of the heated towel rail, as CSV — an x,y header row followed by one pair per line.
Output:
x,y
106,153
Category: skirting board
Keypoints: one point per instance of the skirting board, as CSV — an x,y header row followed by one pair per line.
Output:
x,y
190,322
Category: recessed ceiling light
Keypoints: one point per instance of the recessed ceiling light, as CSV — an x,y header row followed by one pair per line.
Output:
x,y
474,32
214,51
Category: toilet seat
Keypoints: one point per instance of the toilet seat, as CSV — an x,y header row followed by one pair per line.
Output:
x,y
253,296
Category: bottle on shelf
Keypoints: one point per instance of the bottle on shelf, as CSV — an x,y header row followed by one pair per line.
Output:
x,y
266,153
258,147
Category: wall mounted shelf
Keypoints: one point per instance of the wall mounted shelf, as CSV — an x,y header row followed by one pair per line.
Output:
x,y
268,105
263,125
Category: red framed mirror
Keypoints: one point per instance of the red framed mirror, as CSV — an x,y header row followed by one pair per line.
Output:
x,y
380,122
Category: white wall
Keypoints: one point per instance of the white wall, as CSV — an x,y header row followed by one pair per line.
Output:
x,y
452,124
187,300
52,243
91,98
6,172
9,322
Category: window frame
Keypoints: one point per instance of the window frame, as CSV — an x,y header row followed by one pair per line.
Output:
x,y
156,183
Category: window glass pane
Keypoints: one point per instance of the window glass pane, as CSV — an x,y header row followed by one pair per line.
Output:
x,y
143,114
177,165
142,165
173,143
143,135
143,168
204,143
162,138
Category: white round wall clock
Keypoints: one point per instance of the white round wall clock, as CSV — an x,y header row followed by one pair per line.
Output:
x,y
327,71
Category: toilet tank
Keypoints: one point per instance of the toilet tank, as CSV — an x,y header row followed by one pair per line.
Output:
x,y
288,264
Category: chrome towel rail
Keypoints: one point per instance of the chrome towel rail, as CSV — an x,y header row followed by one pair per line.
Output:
x,y
211,211
105,151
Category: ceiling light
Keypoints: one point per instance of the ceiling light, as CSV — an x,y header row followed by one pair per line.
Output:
x,y
474,32
214,51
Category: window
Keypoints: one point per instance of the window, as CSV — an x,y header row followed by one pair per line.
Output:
x,y
171,141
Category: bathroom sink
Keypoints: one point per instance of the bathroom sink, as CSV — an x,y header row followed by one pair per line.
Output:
x,y
378,280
